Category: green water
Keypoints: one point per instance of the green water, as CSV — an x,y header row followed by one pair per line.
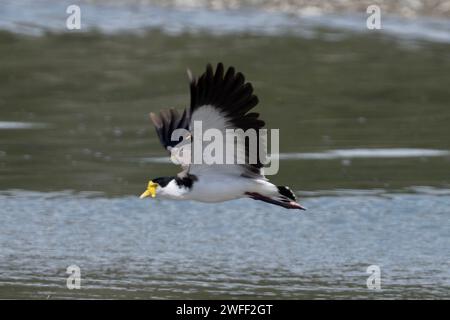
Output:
x,y
87,98
94,92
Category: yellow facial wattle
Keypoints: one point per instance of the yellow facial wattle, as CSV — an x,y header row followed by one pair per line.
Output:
x,y
151,190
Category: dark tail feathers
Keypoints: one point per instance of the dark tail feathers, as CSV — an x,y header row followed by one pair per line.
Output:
x,y
286,198
286,192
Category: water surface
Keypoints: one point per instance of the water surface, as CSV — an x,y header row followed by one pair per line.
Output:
x,y
92,93
128,248
364,128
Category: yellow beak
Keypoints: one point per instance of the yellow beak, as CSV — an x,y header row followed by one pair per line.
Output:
x,y
151,190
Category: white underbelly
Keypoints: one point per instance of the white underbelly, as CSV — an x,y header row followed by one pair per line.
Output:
x,y
223,188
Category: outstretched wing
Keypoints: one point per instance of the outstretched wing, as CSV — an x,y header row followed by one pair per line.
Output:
x,y
166,123
219,100
222,100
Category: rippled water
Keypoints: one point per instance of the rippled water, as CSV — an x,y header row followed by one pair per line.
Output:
x,y
130,248
364,126
112,16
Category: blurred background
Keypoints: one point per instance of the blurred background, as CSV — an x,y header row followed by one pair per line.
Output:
x,y
364,120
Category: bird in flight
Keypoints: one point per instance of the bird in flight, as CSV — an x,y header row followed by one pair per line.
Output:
x,y
220,100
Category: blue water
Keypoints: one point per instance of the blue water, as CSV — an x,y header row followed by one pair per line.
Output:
x,y
131,248
38,17
358,112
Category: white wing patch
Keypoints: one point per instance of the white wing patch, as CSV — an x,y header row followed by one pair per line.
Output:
x,y
210,117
